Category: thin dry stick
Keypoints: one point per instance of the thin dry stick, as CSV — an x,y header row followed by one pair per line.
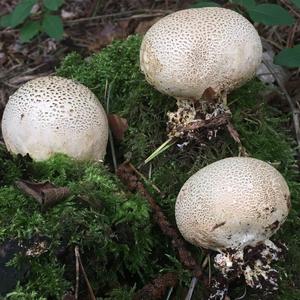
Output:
x,y
291,35
77,273
290,8
195,280
143,16
111,140
149,13
191,288
129,177
243,296
276,45
145,179
170,293
77,255
295,111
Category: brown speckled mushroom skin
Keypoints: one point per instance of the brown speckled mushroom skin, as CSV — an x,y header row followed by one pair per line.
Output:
x,y
232,203
51,115
192,50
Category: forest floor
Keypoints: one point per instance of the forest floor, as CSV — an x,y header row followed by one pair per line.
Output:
x,y
120,246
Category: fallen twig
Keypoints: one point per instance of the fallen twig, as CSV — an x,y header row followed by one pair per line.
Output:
x,y
146,180
77,273
295,111
191,288
129,177
140,13
77,255
157,289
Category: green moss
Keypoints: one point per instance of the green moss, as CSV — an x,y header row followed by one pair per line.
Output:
x,y
122,250
116,234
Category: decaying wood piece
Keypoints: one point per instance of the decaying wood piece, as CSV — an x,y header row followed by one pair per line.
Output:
x,y
131,180
157,289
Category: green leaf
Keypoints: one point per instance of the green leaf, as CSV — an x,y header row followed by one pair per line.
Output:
x,y
53,4
204,4
53,26
245,3
30,30
5,21
270,14
296,3
21,12
289,57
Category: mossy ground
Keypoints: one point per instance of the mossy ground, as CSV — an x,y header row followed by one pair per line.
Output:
x,y
121,248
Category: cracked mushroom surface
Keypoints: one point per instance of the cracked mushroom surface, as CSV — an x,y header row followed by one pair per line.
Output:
x,y
190,51
232,203
51,114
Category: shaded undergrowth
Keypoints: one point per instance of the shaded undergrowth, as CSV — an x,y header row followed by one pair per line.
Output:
x,y
121,248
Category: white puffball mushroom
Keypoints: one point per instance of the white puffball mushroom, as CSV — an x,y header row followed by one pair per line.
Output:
x,y
192,50
51,115
232,203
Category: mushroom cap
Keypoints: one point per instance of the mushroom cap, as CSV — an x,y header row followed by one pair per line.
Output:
x,y
232,203
51,115
191,50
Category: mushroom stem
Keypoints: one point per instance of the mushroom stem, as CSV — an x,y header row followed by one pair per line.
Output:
x,y
186,123
193,121
253,263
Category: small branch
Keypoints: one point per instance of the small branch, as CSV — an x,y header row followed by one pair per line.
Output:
x,y
295,111
191,288
157,289
77,273
145,179
290,7
77,255
291,35
140,13
129,177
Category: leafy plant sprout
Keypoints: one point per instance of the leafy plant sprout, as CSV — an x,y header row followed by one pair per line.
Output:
x,y
48,21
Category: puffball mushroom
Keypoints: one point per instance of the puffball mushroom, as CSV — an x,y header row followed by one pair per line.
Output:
x,y
51,115
231,205
197,56
192,50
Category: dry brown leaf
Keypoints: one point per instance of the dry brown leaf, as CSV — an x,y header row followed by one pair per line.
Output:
x,y
44,192
118,126
144,26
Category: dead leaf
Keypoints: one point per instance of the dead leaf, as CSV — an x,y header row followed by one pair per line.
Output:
x,y
118,126
293,87
232,131
68,297
209,95
44,192
108,33
144,26
266,70
67,15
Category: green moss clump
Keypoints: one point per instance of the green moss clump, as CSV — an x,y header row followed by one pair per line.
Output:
x,y
120,247
112,229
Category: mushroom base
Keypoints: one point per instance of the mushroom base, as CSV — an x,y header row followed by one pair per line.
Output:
x,y
197,121
251,263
